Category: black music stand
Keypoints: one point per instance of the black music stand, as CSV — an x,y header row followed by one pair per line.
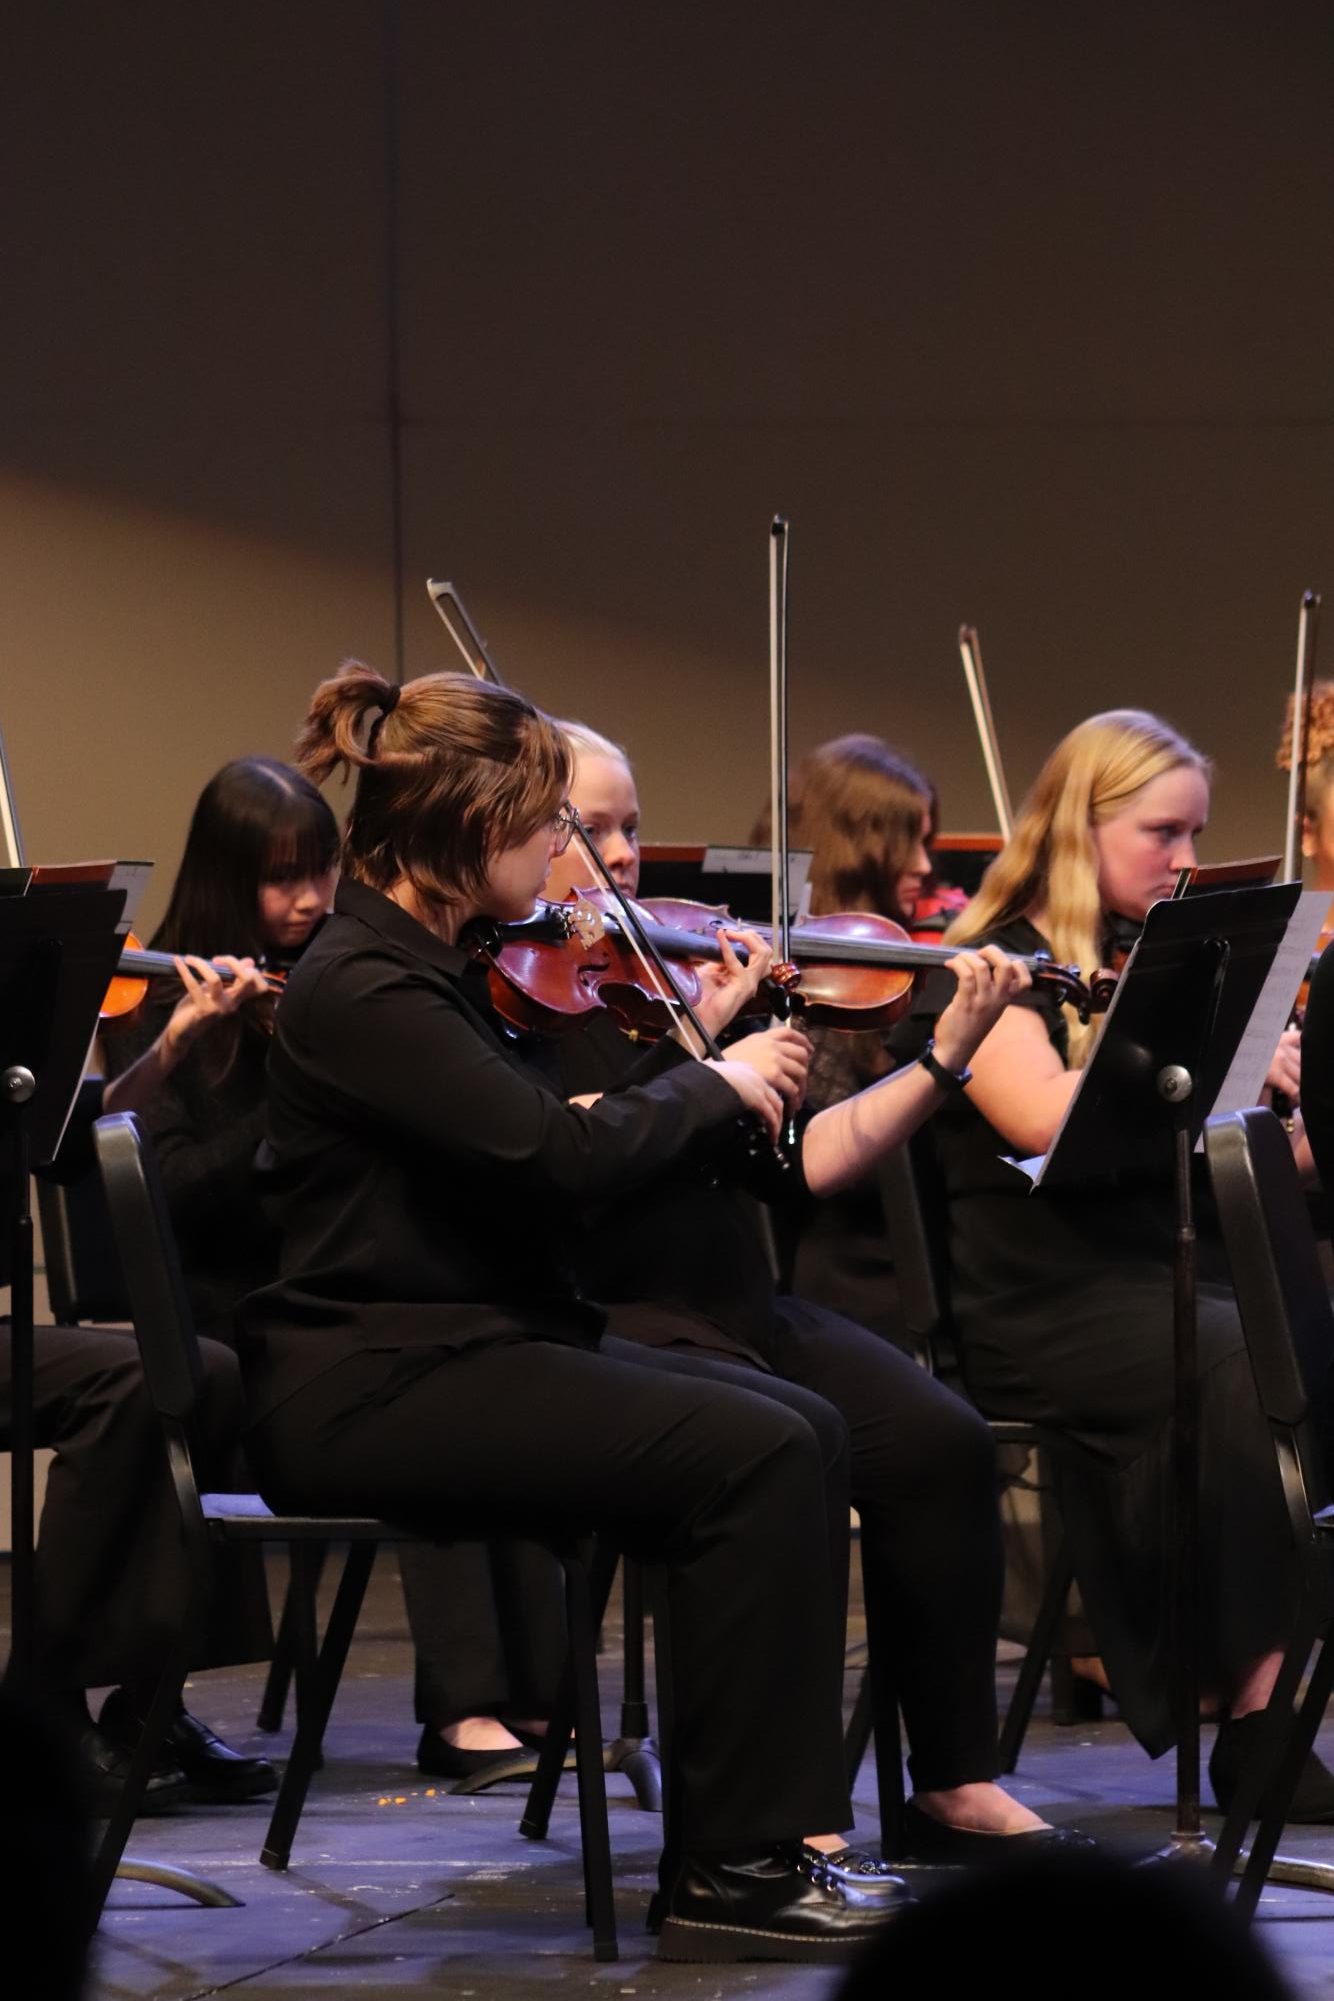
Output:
x,y
59,947
1175,1025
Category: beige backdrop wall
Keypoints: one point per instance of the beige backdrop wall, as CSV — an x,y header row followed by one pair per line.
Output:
x,y
1021,313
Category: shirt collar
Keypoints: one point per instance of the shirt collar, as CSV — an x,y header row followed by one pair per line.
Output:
x,y
393,923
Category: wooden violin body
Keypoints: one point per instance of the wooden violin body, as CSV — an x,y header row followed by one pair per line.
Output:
x,y
852,971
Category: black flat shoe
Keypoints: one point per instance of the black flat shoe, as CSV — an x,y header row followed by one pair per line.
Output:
x,y
215,1773
1313,1799
471,1771
776,1906
935,1841
106,1766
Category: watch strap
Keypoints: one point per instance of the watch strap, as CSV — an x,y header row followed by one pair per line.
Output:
x,y
946,1080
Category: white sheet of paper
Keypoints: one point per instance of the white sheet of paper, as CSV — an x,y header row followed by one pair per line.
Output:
x,y
1273,1011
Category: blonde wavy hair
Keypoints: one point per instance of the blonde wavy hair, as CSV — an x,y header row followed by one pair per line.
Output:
x,y
1050,860
1319,749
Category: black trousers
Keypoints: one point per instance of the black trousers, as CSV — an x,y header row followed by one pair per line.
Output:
x,y
109,1569
925,1487
488,1619
740,1497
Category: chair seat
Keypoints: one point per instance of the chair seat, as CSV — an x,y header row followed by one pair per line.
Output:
x,y
248,1514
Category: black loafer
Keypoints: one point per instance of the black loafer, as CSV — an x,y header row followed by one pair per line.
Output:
x,y
775,1906
935,1841
1313,1797
216,1775
106,1766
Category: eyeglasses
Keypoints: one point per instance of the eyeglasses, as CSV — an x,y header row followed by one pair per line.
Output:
x,y
563,827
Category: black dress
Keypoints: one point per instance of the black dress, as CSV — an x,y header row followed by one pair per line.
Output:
x,y
1063,1306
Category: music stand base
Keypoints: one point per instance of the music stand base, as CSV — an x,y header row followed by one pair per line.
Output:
x,y
1290,1870
196,1888
1181,1846
637,1758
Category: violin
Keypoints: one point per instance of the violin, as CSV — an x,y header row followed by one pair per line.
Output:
x,y
137,966
852,971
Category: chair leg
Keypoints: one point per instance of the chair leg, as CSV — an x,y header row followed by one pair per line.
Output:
x,y
634,1708
317,1684
885,1723
274,1700
1262,1771
656,1584
123,1815
595,1839
1041,1641
1278,1794
551,1758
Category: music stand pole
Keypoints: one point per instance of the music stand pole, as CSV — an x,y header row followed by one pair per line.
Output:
x,y
17,1085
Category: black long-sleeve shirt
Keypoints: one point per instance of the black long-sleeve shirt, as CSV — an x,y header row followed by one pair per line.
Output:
x,y
206,1132
426,1180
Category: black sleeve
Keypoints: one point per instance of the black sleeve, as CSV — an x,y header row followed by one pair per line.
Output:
x,y
1318,1069
208,1174
405,1054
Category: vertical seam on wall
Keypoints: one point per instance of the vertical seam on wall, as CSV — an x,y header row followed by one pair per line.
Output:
x,y
393,359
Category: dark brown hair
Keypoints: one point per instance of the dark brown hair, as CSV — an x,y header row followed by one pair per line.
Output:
x,y
449,772
860,807
256,821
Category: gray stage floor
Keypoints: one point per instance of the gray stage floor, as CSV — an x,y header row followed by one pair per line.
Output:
x,y
398,1889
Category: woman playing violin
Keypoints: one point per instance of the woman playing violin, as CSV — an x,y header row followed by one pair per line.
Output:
x,y
684,1268
1318,811
426,1352
1063,1302
256,878
867,815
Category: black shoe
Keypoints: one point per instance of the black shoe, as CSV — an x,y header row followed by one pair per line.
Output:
x,y
471,1771
935,1841
217,1775
776,1906
106,1766
851,1870
1313,1799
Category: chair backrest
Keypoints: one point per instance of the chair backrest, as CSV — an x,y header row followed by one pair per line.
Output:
x,y
84,1280
83,1275
154,1286
1276,1275
917,1222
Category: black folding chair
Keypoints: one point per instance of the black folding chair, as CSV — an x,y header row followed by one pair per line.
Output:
x,y
914,1205
1289,1327
172,1368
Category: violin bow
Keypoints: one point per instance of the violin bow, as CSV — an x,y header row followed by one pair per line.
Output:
x,y
779,859
970,652
454,617
11,840
1308,625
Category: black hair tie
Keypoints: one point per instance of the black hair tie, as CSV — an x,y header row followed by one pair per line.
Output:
x,y
388,703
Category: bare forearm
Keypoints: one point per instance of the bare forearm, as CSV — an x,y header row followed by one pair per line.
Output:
x,y
844,1142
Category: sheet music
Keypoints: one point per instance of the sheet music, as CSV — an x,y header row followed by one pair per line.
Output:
x,y
1245,1077
1273,1011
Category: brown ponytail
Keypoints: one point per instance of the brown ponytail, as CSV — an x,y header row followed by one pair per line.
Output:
x,y
449,772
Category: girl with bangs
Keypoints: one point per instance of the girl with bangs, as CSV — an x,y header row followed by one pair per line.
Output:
x,y
1063,1301
255,882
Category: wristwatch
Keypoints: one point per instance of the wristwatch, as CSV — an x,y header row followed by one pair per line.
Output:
x,y
945,1080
